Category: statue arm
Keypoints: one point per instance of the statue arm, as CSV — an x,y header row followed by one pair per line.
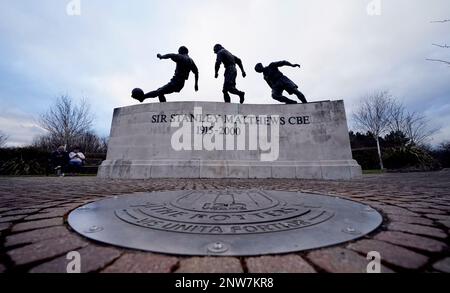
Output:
x,y
195,71
285,63
217,67
239,63
174,57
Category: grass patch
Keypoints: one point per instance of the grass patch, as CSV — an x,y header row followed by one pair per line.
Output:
x,y
375,171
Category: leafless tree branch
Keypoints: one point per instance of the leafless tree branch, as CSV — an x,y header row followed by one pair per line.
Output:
x,y
413,125
438,60
442,46
417,129
373,115
440,21
66,121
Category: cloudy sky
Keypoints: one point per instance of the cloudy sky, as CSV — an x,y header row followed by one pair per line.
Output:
x,y
111,48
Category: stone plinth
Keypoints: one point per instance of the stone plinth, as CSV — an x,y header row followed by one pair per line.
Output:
x,y
307,141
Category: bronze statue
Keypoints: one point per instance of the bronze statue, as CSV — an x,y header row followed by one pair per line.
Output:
x,y
278,82
184,67
229,61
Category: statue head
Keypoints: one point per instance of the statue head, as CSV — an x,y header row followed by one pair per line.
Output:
x,y
259,68
217,48
183,50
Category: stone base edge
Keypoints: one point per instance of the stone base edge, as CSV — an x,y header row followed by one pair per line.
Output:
x,y
327,170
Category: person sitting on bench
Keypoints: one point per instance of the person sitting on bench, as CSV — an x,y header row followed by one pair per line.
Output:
x,y
77,159
59,160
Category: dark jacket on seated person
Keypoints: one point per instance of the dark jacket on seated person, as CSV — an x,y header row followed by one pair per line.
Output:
x,y
59,158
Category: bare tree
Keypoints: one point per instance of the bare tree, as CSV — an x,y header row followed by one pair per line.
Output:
x,y
373,115
66,121
90,142
46,142
104,141
397,118
3,139
442,46
415,126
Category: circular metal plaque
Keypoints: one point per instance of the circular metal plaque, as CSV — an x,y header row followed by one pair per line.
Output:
x,y
228,222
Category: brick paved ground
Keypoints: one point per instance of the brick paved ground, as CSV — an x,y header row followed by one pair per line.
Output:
x,y
34,236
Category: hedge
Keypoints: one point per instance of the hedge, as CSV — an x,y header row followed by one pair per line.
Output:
x,y
32,161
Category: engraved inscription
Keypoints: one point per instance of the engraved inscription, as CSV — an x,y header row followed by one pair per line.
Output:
x,y
224,213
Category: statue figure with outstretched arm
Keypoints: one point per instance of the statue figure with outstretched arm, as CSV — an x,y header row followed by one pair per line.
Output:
x,y
229,61
278,82
184,67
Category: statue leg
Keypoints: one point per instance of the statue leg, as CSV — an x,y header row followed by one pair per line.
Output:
x,y
175,85
226,96
285,100
241,95
300,96
277,95
230,84
151,95
158,93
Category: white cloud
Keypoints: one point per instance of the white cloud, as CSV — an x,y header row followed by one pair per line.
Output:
x,y
19,127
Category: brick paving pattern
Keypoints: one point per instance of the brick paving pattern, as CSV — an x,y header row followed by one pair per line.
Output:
x,y
35,237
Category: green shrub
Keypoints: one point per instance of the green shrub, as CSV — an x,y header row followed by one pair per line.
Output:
x,y
367,159
442,154
34,161
409,158
23,161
